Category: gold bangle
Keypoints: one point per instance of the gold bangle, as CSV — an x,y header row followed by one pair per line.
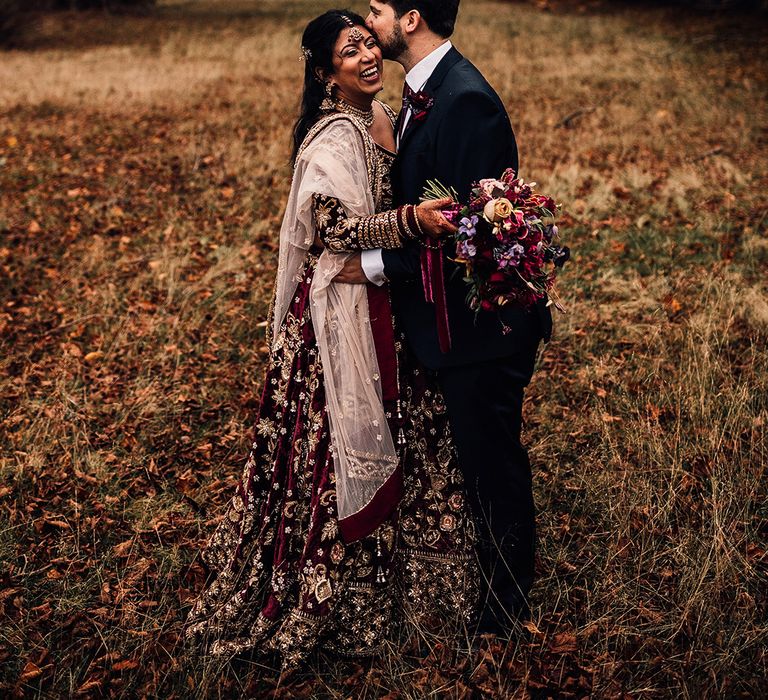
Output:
x,y
418,223
402,214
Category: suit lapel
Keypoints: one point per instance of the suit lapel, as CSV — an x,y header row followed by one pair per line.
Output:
x,y
433,83
412,126
398,122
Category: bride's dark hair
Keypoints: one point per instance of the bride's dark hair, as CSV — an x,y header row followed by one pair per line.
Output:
x,y
317,44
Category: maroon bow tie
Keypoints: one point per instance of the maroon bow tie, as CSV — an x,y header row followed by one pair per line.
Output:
x,y
419,103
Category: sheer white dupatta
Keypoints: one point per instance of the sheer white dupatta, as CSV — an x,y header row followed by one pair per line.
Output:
x,y
333,162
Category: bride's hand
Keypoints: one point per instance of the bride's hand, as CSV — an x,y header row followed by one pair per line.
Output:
x,y
431,218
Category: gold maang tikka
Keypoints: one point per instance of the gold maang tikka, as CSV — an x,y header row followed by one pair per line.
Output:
x,y
356,34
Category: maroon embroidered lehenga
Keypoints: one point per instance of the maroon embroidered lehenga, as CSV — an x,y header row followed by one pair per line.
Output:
x,y
283,578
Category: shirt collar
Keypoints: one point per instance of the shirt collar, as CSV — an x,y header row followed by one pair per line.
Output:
x,y
418,75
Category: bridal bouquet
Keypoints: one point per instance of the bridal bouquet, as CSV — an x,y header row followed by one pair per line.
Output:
x,y
506,241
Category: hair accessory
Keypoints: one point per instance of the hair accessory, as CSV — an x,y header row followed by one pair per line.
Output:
x,y
306,54
356,34
347,21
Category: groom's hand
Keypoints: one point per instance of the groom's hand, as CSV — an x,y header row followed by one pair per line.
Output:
x,y
352,272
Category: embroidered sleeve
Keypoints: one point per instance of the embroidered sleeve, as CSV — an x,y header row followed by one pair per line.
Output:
x,y
341,233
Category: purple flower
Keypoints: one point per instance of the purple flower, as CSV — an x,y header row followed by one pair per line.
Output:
x,y
510,257
465,250
467,226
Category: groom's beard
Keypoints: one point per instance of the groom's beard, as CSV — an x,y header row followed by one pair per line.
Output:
x,y
394,45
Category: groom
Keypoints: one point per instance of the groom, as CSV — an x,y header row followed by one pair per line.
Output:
x,y
453,128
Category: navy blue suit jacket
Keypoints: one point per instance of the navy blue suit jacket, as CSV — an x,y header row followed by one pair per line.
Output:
x,y
465,136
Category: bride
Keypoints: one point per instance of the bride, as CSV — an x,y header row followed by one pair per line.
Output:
x,y
350,514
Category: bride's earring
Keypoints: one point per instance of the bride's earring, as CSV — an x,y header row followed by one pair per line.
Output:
x,y
328,105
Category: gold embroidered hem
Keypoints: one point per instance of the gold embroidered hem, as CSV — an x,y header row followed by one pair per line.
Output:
x,y
439,594
283,579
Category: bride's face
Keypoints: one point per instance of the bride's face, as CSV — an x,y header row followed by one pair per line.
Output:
x,y
357,65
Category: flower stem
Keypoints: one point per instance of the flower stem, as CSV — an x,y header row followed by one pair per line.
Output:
x,y
437,190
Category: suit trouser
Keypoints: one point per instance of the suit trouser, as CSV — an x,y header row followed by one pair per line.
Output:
x,y
484,402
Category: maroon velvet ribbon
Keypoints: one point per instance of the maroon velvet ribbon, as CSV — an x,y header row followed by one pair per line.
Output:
x,y
434,291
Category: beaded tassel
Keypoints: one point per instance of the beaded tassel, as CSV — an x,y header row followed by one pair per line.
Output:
x,y
400,431
380,577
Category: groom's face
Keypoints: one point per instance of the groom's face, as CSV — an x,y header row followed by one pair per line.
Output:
x,y
381,20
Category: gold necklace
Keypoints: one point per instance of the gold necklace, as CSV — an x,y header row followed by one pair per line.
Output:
x,y
364,115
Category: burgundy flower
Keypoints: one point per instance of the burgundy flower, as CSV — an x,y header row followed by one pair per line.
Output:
x,y
421,103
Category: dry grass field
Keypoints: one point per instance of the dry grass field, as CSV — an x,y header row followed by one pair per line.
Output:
x,y
143,167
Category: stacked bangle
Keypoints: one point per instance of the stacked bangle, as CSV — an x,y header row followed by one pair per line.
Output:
x,y
410,215
415,225
402,223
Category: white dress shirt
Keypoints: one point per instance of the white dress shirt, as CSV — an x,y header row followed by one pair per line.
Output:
x,y
371,260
